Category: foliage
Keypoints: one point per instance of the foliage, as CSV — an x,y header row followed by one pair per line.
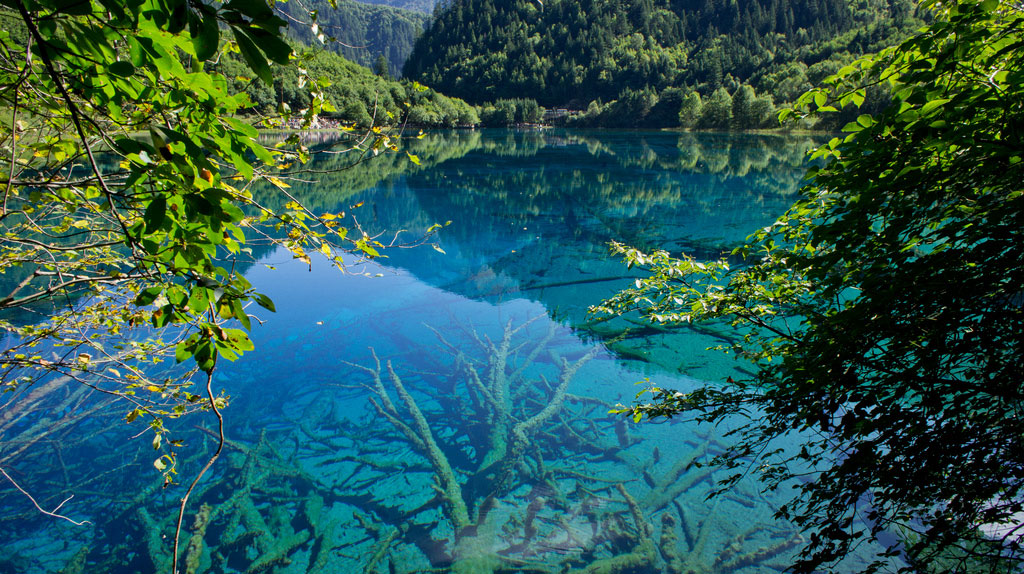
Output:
x,y
356,95
675,107
742,111
569,53
506,112
717,110
883,311
690,110
127,182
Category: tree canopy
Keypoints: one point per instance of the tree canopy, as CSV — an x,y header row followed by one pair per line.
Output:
x,y
883,312
127,178
570,53
356,96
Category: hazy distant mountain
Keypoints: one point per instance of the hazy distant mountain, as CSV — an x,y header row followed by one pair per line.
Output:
x,y
363,32
424,6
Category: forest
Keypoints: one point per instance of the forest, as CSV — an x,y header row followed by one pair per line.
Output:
x,y
617,60
363,33
356,95
880,317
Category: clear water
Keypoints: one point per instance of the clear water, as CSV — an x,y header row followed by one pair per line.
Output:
x,y
490,448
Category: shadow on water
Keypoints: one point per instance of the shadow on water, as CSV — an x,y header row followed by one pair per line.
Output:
x,y
452,414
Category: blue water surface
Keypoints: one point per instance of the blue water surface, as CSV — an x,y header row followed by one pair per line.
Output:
x,y
446,408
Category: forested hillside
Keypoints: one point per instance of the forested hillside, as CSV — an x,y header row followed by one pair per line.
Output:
x,y
568,53
356,94
362,32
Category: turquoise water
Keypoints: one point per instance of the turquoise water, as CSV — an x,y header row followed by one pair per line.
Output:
x,y
447,409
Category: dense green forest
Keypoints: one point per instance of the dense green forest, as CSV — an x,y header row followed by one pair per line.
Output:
x,y
356,94
653,58
361,32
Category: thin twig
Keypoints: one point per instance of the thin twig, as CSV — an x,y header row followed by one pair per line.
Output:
x,y
76,119
52,513
209,463
14,123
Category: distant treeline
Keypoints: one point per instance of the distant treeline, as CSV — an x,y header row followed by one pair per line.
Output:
x,y
652,63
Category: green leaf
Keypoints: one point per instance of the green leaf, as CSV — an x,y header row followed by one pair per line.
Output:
x,y
199,299
238,340
366,248
156,213
243,127
932,104
240,314
148,295
183,351
121,68
139,50
206,35
272,45
72,7
254,9
265,302
253,57
163,316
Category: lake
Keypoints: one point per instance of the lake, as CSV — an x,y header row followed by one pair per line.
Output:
x,y
446,408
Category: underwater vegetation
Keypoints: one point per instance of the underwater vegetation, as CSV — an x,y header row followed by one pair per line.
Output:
x,y
546,482
492,453
476,445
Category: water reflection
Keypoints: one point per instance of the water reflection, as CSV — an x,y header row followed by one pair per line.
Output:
x,y
451,415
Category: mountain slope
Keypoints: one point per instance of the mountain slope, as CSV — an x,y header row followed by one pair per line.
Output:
x,y
362,32
570,52
357,95
421,6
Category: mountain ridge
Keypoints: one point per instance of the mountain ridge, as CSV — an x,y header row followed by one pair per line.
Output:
x,y
569,53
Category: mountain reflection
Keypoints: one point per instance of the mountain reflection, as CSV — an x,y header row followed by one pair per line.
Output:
x,y
319,473
532,212
520,201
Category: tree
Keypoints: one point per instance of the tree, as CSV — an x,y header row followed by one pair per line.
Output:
x,y
632,108
127,198
883,312
482,50
690,110
381,67
665,112
762,111
717,110
503,113
743,108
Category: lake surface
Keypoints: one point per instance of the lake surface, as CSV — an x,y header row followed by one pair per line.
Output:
x,y
447,409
